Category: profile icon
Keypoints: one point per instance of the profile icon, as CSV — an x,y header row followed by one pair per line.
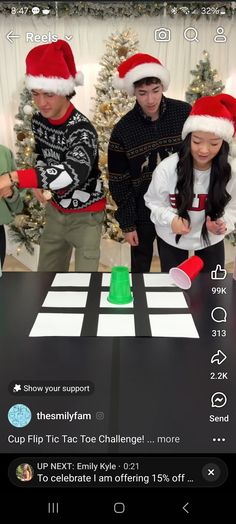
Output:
x,y
19,415
24,472
220,37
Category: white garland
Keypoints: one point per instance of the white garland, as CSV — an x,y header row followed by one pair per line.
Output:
x,y
121,9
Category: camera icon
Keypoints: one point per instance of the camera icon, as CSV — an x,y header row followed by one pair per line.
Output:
x,y
162,34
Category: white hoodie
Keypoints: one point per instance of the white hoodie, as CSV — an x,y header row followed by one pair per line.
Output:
x,y
160,198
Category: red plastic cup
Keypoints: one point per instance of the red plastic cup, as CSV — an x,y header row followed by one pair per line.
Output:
x,y
184,274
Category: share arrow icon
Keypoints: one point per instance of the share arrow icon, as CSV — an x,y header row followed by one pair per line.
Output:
x,y
218,357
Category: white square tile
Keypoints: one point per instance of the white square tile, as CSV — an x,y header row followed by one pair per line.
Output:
x,y
106,279
71,279
65,299
57,325
116,326
158,280
162,299
104,302
173,326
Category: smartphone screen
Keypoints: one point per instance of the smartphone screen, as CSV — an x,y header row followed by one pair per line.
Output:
x,y
130,412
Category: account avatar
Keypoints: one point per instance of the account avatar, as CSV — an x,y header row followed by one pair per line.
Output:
x,y
24,472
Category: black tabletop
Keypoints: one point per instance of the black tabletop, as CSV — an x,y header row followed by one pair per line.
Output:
x,y
150,394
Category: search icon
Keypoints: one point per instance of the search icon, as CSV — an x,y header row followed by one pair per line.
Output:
x,y
191,34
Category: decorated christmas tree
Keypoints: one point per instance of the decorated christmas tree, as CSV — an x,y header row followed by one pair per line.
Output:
x,y
205,81
27,227
110,106
25,156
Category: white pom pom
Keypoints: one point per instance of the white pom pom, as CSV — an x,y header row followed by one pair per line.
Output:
x,y
123,84
117,82
28,110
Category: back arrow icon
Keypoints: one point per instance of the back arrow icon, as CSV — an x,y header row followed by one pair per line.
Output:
x,y
185,507
218,357
10,37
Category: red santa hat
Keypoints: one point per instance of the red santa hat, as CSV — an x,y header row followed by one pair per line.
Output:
x,y
51,67
213,114
136,68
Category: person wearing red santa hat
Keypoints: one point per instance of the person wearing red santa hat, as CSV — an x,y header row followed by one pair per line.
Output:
x,y
192,195
67,163
139,141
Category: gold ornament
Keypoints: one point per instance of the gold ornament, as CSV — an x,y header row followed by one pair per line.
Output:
x,y
122,51
104,107
28,197
20,220
21,136
103,159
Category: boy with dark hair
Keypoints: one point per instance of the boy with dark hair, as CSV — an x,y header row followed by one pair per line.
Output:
x,y
142,138
67,163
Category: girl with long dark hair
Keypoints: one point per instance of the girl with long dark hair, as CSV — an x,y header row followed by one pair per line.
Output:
x,y
192,196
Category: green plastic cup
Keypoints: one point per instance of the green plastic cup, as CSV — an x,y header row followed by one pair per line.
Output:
x,y
120,286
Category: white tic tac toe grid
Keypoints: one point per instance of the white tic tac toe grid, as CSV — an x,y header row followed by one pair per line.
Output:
x,y
76,305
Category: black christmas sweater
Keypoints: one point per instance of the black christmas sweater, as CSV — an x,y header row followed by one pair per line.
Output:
x,y
136,147
67,162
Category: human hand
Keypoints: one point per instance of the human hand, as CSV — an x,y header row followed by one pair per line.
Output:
x,y
217,227
180,226
41,197
132,238
5,185
6,193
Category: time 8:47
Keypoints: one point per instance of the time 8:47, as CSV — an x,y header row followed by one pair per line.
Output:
x,y
19,11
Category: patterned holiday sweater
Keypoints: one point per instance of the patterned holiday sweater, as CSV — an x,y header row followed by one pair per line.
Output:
x,y
136,147
67,162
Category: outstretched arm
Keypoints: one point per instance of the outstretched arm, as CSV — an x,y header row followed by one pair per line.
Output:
x,y
73,172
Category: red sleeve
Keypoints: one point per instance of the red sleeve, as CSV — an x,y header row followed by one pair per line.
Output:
x,y
27,178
